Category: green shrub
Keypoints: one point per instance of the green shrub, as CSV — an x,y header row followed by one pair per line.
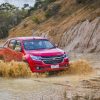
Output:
x,y
35,20
48,13
80,1
49,1
53,10
3,32
10,16
84,1
42,3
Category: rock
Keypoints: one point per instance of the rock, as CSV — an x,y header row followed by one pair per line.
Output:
x,y
83,37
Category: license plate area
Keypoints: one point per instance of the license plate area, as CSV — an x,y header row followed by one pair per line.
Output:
x,y
54,66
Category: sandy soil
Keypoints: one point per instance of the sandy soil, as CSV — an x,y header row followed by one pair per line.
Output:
x,y
64,87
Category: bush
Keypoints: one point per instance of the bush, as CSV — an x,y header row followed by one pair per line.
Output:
x,y
49,1
48,13
42,4
3,32
84,1
10,16
36,20
80,1
52,10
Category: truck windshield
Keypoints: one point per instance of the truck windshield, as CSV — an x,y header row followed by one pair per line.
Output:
x,y
37,44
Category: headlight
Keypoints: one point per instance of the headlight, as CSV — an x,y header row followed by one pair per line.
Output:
x,y
35,57
65,55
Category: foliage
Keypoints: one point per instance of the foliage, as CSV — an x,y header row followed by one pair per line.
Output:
x,y
7,7
38,4
36,19
80,1
49,1
52,10
84,1
9,17
42,3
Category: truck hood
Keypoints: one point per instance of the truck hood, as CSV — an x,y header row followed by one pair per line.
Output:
x,y
46,52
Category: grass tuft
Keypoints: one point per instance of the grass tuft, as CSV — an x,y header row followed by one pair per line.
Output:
x,y
14,69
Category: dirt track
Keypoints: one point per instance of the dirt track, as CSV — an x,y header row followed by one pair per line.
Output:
x,y
70,87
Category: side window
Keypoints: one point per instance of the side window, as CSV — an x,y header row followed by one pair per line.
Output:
x,y
12,44
18,44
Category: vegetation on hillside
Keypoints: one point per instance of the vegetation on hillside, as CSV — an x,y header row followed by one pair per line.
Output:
x,y
51,8
10,16
68,15
84,1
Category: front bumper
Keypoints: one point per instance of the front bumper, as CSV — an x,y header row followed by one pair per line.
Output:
x,y
40,66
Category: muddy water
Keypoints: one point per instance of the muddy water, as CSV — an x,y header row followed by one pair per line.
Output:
x,y
71,87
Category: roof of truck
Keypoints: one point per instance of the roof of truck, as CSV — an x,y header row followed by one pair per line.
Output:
x,y
28,38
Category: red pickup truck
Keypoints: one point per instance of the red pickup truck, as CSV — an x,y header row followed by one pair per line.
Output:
x,y
38,52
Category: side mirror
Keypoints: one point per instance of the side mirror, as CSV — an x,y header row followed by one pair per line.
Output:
x,y
18,49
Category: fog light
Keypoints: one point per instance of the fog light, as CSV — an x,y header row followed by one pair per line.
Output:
x,y
39,68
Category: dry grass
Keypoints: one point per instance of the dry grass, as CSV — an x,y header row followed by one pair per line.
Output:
x,y
14,69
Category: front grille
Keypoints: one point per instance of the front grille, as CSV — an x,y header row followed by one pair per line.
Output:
x,y
53,59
